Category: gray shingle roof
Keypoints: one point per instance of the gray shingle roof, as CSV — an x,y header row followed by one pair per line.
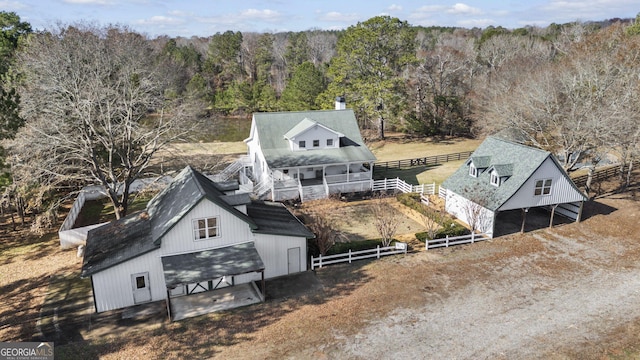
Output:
x,y
506,157
117,242
141,232
274,218
272,127
211,264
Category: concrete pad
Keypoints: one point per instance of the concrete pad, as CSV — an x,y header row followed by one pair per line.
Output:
x,y
187,306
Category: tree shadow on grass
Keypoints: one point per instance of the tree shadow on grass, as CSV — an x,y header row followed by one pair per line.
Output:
x,y
200,336
409,175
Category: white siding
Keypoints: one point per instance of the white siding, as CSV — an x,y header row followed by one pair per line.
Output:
x,y
180,238
562,190
113,288
273,251
458,206
315,133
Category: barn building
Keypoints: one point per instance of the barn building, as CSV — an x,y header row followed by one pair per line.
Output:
x,y
195,238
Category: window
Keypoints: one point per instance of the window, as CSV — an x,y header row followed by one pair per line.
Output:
x,y
495,178
140,282
543,187
329,142
316,143
473,171
302,144
205,228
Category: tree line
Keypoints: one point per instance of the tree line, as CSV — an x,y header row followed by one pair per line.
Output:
x,y
85,103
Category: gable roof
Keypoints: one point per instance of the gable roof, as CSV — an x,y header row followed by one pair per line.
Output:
x,y
273,126
511,159
117,242
139,233
305,125
187,189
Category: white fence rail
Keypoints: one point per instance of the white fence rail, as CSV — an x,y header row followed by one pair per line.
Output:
x,y
401,185
320,261
442,192
455,240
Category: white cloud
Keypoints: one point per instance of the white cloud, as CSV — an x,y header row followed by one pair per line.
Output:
x,y
11,5
394,7
264,15
481,23
335,16
464,9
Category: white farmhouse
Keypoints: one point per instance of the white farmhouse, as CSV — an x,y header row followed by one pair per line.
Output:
x,y
306,155
502,175
194,236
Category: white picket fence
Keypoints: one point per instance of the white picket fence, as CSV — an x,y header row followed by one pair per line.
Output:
x,y
401,185
455,240
320,261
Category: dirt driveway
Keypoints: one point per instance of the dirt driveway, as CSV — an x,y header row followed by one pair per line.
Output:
x,y
569,292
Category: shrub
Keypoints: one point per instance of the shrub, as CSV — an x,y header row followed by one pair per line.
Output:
x,y
344,247
449,226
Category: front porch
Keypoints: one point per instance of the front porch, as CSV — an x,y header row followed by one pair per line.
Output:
x,y
226,298
317,182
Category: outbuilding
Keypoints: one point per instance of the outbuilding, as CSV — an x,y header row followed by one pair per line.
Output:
x,y
195,236
503,175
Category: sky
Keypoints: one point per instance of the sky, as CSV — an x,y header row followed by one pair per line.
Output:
x,y
186,18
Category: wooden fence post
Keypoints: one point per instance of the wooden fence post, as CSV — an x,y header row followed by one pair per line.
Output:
x,y
378,248
349,256
447,241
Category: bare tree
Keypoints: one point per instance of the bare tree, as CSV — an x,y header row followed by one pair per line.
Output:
x,y
319,221
431,222
386,219
93,101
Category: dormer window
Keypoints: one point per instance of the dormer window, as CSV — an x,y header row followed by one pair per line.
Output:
x,y
302,144
495,179
473,171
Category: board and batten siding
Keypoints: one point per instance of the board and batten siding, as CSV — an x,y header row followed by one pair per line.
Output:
x,y
113,288
273,251
562,191
180,239
457,206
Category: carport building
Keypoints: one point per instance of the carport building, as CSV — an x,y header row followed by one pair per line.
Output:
x,y
502,175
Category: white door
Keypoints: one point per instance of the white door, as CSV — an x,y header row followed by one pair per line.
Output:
x,y
293,256
141,288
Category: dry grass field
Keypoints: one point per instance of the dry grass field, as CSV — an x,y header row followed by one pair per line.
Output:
x,y
570,292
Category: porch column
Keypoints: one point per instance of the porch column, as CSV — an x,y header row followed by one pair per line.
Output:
x,y
264,293
553,210
524,218
169,304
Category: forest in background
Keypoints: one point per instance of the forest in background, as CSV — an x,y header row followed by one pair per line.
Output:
x,y
83,103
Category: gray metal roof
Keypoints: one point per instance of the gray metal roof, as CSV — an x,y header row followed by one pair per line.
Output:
x,y
211,264
505,156
272,127
275,218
